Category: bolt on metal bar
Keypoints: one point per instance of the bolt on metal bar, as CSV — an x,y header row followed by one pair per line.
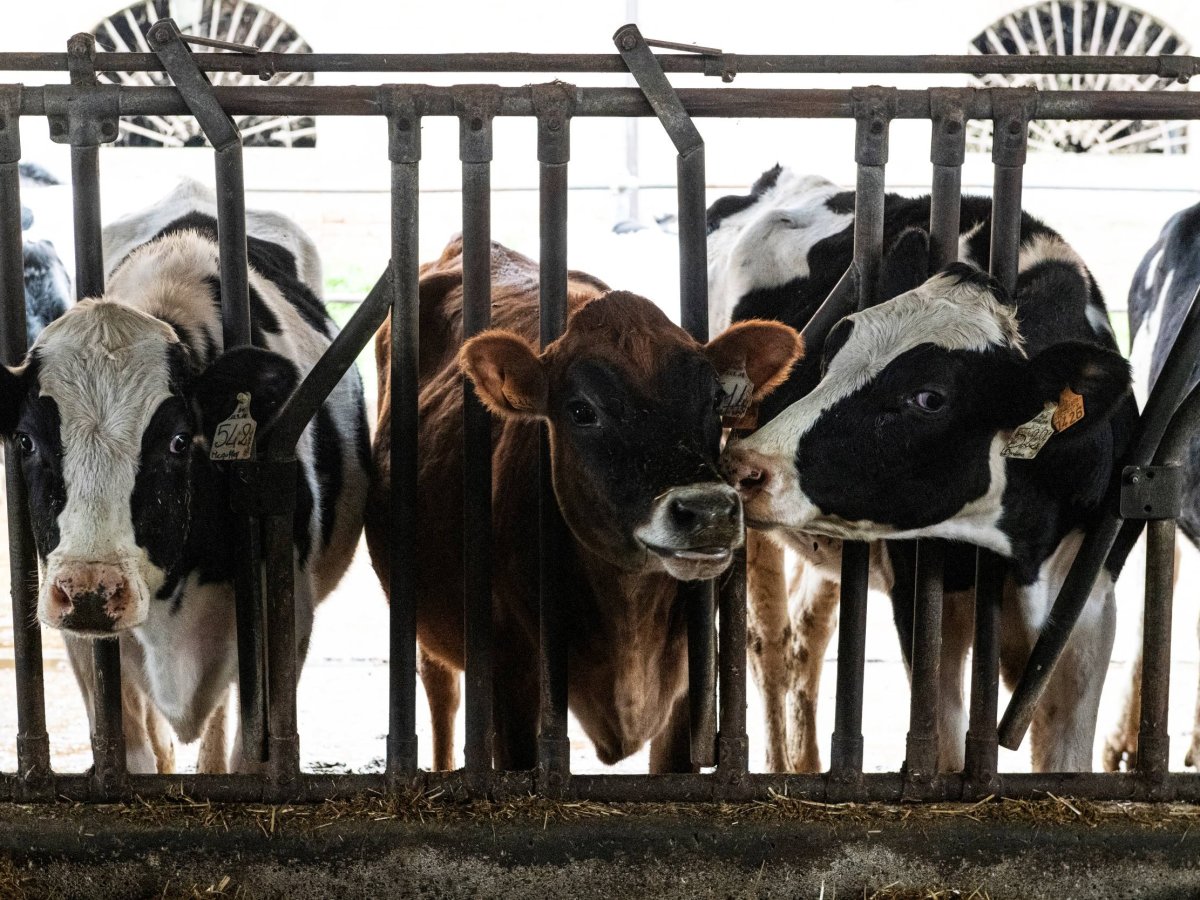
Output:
x,y
33,743
696,60
404,147
698,597
476,107
108,741
554,104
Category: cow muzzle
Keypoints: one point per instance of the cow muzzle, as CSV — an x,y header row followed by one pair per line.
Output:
x,y
693,530
90,599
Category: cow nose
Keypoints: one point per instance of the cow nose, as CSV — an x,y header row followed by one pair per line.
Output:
x,y
746,470
690,509
90,597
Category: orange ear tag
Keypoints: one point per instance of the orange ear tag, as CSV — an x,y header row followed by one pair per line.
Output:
x,y
1070,410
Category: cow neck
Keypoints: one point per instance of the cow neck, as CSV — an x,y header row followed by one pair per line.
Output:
x,y
630,603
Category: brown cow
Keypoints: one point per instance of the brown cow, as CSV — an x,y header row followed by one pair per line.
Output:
x,y
631,404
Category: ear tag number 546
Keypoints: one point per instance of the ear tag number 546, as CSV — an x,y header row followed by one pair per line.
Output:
x,y
234,438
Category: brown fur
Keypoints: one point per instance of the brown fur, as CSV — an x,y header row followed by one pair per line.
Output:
x,y
627,640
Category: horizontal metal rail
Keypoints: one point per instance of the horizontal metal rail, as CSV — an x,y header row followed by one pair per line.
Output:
x,y
746,103
1169,67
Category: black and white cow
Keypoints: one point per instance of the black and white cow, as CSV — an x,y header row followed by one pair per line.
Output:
x,y
809,221
114,412
1159,296
47,284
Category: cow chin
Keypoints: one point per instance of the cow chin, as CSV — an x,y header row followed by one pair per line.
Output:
x,y
93,599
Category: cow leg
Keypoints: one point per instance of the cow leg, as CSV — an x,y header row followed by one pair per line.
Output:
x,y
769,633
1193,754
1120,747
813,621
213,757
671,750
442,692
958,633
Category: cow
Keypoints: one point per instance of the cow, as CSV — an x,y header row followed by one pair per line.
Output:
x,y
47,284
631,405
957,411
776,252
114,412
1159,296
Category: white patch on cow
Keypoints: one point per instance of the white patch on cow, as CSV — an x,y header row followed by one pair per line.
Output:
x,y
964,243
1064,726
1152,266
105,366
1141,353
128,233
766,245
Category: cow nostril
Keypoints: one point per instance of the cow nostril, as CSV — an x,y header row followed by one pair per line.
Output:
x,y
60,599
683,515
751,480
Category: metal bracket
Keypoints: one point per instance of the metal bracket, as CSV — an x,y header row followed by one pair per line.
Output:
x,y
648,74
948,112
264,487
874,109
10,123
167,41
476,105
1012,109
554,104
403,113
1151,492
724,65
1176,68
84,114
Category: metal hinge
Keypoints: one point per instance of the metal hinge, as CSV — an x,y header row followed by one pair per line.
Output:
x,y
1151,492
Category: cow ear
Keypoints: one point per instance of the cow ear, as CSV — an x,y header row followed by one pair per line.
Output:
x,y
767,351
507,374
267,377
12,390
1101,377
906,265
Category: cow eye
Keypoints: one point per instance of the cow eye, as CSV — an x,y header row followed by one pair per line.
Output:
x,y
180,443
25,442
582,413
928,401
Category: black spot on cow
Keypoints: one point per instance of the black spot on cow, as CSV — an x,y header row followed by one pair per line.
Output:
x,y
725,207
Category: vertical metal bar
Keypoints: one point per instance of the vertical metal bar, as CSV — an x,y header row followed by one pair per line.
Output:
x,y
475,150
33,745
108,741
981,753
283,742
947,152
231,238
405,154
874,108
1154,739
733,749
1010,127
921,752
554,105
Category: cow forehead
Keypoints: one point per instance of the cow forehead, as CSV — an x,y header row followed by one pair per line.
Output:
x,y
106,367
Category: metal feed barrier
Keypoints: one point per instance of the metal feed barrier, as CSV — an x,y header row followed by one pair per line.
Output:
x,y
85,114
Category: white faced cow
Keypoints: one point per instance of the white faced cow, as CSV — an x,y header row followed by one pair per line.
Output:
x,y
114,411
925,424
1159,296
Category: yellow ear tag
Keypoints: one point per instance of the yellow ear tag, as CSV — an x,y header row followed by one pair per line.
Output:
x,y
1070,410
234,438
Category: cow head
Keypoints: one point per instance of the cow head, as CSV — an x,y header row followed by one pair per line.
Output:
x,y
632,407
111,417
902,436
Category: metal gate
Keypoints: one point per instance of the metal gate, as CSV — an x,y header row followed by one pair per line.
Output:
x,y
84,115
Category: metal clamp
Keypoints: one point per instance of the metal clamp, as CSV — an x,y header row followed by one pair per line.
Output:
x,y
874,109
167,41
648,74
1151,492
1176,68
10,123
403,112
724,65
948,112
554,104
84,114
1012,109
476,105
264,487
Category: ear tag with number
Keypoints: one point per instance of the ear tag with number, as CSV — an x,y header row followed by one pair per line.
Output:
x,y
1070,410
737,393
234,438
1028,439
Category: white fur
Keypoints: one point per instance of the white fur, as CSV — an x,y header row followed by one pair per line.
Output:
x,y
1145,339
